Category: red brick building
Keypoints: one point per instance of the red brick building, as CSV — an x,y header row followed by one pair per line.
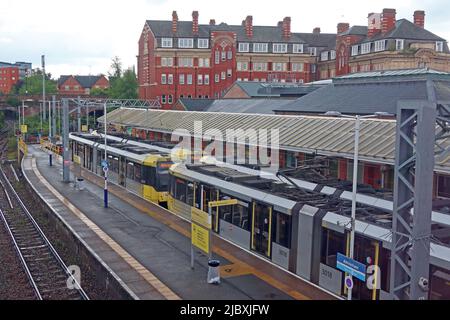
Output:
x,y
9,76
185,59
81,85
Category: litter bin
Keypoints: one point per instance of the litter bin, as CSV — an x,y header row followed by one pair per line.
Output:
x,y
213,272
80,184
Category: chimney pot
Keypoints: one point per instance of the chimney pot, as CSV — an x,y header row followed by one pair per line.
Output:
x,y
212,22
174,21
249,26
419,18
287,27
342,27
316,30
195,22
388,20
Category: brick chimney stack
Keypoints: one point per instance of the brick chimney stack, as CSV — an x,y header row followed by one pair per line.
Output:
x,y
388,20
342,27
249,26
212,22
174,22
195,22
374,24
316,30
419,18
287,27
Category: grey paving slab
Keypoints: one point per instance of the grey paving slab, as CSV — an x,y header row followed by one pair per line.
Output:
x,y
165,252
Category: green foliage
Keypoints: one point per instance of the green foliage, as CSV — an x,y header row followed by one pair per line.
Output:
x,y
99,92
12,101
2,119
124,87
33,85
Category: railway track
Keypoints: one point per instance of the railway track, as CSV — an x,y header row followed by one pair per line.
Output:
x,y
46,271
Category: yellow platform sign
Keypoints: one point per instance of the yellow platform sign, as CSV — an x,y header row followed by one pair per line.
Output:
x,y
200,217
200,237
223,203
24,128
77,159
84,128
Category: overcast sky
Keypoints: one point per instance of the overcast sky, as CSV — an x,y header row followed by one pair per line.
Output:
x,y
81,37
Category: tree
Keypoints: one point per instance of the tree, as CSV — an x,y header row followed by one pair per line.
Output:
x,y
33,85
124,87
116,69
100,92
12,101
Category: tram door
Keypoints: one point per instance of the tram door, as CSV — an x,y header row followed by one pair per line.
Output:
x,y
261,221
122,172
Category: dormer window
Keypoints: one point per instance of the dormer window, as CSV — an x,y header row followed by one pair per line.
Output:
x,y
399,44
380,45
297,48
166,42
355,50
312,51
243,47
440,46
324,56
333,54
260,47
365,48
185,43
279,48
203,43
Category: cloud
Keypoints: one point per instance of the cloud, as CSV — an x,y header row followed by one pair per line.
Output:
x,y
85,34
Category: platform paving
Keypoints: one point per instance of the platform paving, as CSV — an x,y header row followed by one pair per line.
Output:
x,y
158,243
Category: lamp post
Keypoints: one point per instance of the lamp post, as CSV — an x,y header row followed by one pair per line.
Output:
x,y
357,119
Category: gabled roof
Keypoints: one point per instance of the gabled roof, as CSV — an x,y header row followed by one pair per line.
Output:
x,y
405,29
84,81
196,104
371,92
163,28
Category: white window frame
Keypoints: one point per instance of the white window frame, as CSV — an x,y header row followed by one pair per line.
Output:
x,y
312,51
355,50
217,57
242,66
332,54
200,79
189,79
229,73
260,47
185,42
380,45
203,43
163,78
166,42
279,66
399,44
365,47
324,56
260,66
244,47
439,46
298,66
223,75
185,62
206,79
163,99
217,78
170,78
279,48
181,79
229,54
297,48
169,99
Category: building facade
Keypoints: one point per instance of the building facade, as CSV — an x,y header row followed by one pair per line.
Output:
x,y
11,73
185,59
81,85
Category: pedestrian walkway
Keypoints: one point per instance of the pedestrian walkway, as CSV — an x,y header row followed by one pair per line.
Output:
x,y
148,248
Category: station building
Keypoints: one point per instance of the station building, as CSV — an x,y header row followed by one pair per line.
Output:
x,y
186,59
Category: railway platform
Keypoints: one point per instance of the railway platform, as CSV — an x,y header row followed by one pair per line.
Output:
x,y
148,248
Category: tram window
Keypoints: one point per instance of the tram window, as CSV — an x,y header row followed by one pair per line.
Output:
x,y
137,172
240,216
332,243
130,170
282,229
163,175
190,194
384,263
180,190
440,284
444,186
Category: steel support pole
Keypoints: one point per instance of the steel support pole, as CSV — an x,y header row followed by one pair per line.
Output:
x,y
65,138
53,116
78,115
354,191
49,119
105,192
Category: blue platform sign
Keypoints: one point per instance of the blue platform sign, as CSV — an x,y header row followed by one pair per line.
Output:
x,y
352,267
104,164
